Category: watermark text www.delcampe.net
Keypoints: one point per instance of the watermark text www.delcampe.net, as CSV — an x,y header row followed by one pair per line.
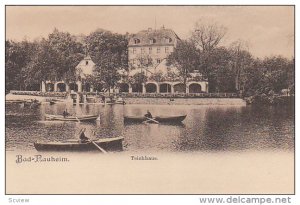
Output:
x,y
245,200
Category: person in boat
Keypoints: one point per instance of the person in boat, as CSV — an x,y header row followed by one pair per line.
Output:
x,y
82,136
111,98
65,113
148,114
103,99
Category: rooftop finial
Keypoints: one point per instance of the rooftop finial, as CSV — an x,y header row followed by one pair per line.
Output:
x,y
86,50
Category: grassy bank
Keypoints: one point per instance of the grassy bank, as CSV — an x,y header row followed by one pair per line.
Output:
x,y
275,100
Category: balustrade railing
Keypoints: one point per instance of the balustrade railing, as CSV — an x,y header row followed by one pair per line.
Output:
x,y
134,94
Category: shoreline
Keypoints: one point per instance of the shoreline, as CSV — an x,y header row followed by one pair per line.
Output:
x,y
141,100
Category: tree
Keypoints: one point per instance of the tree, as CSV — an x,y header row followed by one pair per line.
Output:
x,y
186,58
207,36
70,53
220,75
107,73
275,73
17,57
268,76
138,79
291,76
171,75
144,62
55,58
241,59
158,76
109,52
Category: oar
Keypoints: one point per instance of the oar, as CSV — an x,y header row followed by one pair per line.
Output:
x,y
82,130
77,119
151,119
100,148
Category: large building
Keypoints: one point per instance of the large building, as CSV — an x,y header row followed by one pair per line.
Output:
x,y
147,53
151,44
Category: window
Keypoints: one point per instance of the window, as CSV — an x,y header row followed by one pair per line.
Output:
x,y
86,62
134,61
137,41
134,50
166,49
158,50
168,40
142,50
152,41
150,50
158,60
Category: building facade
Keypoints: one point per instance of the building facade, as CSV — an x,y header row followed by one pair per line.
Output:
x,y
154,45
83,69
147,53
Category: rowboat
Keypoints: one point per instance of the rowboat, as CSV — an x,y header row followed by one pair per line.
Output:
x,y
15,101
108,144
161,119
113,102
122,102
83,118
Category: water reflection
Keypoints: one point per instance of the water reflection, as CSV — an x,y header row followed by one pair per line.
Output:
x,y
206,128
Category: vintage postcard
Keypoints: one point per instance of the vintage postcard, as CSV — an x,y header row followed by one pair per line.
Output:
x,y
149,100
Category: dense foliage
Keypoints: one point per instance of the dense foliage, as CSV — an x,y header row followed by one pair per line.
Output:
x,y
55,58
227,69
231,69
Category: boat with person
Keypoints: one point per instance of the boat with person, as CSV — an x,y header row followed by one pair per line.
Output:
x,y
52,102
106,144
82,118
159,119
114,101
120,100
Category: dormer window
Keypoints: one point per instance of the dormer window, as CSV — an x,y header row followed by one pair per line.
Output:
x,y
168,40
137,41
152,41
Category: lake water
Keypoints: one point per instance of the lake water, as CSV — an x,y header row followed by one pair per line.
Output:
x,y
218,149
206,128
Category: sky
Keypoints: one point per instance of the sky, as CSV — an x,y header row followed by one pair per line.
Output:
x,y
268,30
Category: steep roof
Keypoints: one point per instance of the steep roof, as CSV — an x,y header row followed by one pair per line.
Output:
x,y
85,67
160,36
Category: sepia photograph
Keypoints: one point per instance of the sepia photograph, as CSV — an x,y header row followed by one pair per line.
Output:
x,y
147,100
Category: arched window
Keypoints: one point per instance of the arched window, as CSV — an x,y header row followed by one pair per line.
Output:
x,y
195,88
151,88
